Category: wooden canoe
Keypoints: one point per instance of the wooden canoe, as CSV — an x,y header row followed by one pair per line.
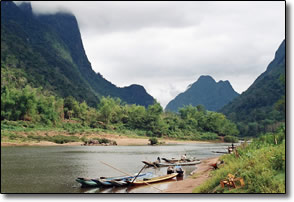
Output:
x,y
108,181
173,160
178,164
87,182
155,179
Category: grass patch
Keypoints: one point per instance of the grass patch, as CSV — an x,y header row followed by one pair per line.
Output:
x,y
261,164
7,136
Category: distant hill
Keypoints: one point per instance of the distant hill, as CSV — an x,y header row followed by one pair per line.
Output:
x,y
47,51
257,108
205,91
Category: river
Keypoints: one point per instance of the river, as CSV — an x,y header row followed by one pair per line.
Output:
x,y
53,169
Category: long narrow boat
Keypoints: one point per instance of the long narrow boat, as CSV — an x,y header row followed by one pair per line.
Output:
x,y
124,182
86,182
156,164
106,182
109,182
154,179
173,160
178,164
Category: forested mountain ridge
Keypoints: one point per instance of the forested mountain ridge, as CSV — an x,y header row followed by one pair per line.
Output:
x,y
262,105
205,91
47,51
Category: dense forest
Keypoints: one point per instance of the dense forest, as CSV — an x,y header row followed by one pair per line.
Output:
x,y
261,108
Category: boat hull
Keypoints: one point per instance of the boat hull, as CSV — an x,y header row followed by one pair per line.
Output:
x,y
111,181
155,179
178,164
87,182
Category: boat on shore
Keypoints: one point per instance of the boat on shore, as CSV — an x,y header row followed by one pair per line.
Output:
x,y
86,182
178,164
154,179
173,160
157,164
109,181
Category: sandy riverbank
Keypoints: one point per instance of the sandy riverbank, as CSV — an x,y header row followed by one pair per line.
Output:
x,y
187,185
120,140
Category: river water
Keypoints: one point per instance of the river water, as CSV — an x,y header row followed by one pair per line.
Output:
x,y
53,169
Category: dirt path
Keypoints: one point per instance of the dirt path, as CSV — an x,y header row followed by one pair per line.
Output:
x,y
187,185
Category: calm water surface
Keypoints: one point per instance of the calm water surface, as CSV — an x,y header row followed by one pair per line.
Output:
x,y
54,169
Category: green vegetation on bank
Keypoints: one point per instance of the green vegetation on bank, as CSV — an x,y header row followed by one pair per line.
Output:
x,y
30,108
261,164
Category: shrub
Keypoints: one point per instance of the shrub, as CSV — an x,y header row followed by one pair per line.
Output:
x,y
153,140
231,139
61,139
104,140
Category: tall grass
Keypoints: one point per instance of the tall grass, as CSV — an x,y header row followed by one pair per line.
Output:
x,y
261,164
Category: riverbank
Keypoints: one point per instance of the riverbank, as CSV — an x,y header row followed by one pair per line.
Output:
x,y
200,175
121,140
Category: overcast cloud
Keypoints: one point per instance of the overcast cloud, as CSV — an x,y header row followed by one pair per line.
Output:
x,y
165,46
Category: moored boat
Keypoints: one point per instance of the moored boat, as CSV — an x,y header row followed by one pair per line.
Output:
x,y
173,160
178,163
119,183
86,182
124,182
110,181
154,179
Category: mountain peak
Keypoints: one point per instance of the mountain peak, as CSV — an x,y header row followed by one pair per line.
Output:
x,y
205,91
206,78
26,7
224,83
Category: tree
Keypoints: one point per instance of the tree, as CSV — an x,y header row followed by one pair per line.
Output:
x,y
110,109
71,107
154,121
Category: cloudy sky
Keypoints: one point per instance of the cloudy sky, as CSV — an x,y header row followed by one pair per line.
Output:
x,y
165,46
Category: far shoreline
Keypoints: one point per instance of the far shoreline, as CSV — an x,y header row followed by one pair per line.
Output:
x,y
120,140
